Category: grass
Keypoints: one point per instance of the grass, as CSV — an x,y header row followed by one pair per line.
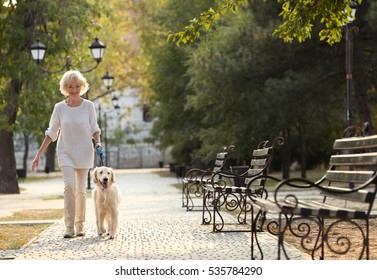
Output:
x,y
33,178
33,215
52,197
14,236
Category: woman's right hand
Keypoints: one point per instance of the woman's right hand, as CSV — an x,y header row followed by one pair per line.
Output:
x,y
35,163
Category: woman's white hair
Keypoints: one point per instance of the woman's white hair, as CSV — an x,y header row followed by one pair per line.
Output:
x,y
73,75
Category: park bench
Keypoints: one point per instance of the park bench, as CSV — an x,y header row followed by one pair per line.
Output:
x,y
232,197
332,219
192,191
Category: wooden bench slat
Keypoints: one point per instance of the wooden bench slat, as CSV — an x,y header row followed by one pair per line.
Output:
x,y
216,168
258,162
253,172
349,176
266,205
354,143
219,162
307,209
354,159
358,196
261,152
221,156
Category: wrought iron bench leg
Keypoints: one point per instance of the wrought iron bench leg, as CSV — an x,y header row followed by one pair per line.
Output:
x,y
216,212
260,216
184,195
207,196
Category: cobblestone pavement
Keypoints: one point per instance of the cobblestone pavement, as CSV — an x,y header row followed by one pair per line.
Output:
x,y
153,226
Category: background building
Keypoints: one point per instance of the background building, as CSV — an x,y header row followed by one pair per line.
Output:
x,y
127,132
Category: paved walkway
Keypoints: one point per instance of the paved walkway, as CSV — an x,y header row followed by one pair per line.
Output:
x,y
153,226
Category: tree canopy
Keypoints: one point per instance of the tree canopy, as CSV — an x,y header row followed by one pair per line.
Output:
x,y
298,20
238,84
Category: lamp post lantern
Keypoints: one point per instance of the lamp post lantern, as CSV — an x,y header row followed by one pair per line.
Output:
x,y
108,80
98,50
38,51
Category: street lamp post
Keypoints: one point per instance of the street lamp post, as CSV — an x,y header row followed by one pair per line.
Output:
x,y
116,107
108,82
349,30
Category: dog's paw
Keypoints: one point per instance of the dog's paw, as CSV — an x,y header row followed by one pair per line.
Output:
x,y
111,237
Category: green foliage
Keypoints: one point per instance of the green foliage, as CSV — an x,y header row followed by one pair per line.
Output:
x,y
174,124
238,85
205,20
246,89
298,19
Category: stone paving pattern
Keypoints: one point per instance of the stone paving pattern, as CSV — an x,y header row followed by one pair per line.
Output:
x,y
153,226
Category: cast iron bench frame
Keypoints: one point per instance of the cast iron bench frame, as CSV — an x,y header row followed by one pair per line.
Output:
x,y
192,182
227,196
351,177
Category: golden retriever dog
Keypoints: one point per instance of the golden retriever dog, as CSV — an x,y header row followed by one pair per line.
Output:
x,y
107,199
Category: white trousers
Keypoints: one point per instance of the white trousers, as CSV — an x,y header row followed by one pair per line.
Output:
x,y
75,184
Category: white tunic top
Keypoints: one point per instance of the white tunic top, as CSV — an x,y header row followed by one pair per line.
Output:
x,y
74,128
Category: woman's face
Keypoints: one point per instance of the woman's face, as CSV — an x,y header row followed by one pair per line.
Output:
x,y
73,88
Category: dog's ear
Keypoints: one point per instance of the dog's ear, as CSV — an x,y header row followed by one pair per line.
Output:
x,y
112,175
95,178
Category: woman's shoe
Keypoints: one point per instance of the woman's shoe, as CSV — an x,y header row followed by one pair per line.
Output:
x,y
80,233
68,233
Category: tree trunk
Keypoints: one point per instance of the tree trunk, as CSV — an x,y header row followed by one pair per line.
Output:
x,y
26,152
50,158
8,170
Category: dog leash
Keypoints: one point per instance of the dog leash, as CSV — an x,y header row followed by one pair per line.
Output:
x,y
101,156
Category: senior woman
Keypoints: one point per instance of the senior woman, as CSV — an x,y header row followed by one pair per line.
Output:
x,y
73,124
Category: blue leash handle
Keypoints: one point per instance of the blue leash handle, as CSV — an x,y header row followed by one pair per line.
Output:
x,y
100,154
